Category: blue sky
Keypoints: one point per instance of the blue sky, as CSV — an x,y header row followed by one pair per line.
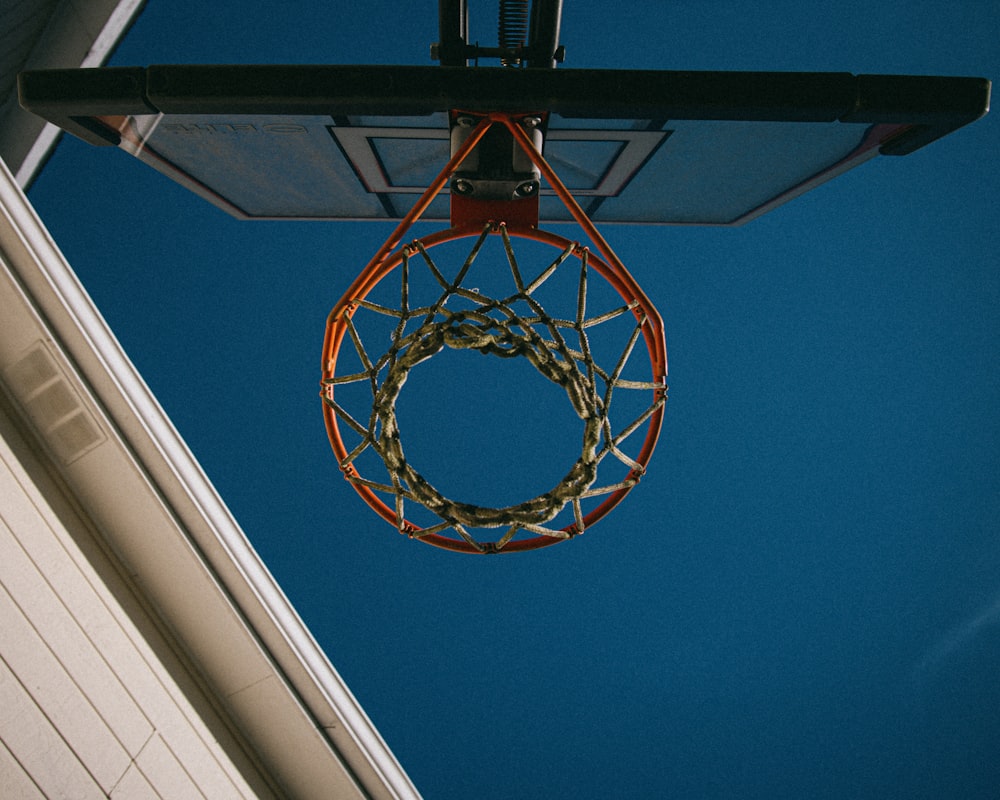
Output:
x,y
801,599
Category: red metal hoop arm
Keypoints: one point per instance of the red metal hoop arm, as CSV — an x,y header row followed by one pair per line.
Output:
x,y
388,257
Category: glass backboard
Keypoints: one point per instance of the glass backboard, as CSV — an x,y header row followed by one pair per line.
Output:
x,y
659,147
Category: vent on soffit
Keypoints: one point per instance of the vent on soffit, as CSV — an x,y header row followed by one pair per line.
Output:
x,y
52,404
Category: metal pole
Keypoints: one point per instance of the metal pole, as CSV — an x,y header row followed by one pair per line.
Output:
x,y
453,32
543,38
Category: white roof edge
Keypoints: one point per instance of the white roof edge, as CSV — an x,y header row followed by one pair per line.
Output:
x,y
46,141
168,462
119,21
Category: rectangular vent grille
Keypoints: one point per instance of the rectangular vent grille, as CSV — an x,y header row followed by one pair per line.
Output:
x,y
53,404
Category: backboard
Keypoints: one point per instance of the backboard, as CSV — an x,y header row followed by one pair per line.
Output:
x,y
362,143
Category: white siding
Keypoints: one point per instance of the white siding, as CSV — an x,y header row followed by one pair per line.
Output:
x,y
87,705
38,746
16,783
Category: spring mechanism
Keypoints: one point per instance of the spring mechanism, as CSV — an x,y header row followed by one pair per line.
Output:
x,y
513,29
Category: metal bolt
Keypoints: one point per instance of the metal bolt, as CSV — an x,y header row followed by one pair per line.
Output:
x,y
531,122
527,189
461,186
466,122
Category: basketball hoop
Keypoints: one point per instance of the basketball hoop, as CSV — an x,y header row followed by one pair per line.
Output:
x,y
558,347
353,142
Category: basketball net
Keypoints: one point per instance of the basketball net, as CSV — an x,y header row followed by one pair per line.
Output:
x,y
515,325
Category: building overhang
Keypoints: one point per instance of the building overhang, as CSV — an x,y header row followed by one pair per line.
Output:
x,y
131,474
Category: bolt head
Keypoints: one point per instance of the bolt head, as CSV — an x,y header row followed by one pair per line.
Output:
x,y
527,189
